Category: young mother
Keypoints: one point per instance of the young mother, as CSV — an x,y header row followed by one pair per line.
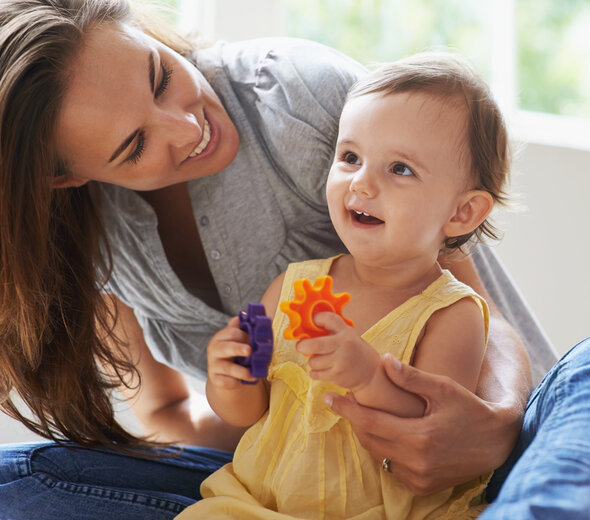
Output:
x,y
147,191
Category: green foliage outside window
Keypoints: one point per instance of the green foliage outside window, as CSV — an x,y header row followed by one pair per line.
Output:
x,y
168,9
552,39
554,56
384,30
170,4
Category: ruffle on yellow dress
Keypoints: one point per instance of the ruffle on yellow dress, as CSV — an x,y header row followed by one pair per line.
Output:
x,y
301,460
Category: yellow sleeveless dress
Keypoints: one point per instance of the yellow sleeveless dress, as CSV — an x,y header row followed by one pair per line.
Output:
x,y
301,460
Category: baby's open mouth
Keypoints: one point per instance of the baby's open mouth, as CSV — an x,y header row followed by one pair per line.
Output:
x,y
364,218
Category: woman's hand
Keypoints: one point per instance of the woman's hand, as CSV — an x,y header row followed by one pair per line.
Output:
x,y
459,437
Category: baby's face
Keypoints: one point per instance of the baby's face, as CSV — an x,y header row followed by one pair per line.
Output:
x,y
401,166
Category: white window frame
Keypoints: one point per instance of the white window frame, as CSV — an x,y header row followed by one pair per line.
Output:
x,y
527,126
234,20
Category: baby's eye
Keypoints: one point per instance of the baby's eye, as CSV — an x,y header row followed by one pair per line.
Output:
x,y
350,158
402,169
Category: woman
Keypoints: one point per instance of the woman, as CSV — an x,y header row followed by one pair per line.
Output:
x,y
143,200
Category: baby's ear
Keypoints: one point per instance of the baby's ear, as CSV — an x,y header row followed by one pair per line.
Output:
x,y
473,208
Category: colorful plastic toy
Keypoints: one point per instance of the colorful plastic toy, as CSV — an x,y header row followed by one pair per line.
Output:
x,y
308,301
258,325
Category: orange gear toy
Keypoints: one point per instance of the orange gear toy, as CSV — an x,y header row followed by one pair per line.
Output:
x,y
309,301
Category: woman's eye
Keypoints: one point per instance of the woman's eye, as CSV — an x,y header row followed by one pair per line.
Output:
x,y
138,151
164,81
402,169
350,158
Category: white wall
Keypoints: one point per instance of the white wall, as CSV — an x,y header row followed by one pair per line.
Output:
x,y
546,248
14,431
233,20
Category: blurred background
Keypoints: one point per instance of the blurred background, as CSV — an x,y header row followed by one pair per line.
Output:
x,y
536,56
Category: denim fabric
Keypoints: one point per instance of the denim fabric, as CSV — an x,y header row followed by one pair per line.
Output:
x,y
548,474
44,481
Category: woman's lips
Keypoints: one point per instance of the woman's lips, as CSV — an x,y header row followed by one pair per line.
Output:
x,y
206,137
209,140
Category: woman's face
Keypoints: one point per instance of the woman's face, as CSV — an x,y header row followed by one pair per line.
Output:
x,y
139,115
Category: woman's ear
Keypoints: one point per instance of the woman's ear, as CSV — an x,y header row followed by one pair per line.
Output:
x,y
66,181
472,210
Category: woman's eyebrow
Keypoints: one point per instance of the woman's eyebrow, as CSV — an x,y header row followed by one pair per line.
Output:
x,y
129,139
152,71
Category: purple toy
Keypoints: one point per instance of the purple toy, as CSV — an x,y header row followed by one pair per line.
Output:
x,y
258,325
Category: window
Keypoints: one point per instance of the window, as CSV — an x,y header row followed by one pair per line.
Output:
x,y
385,30
553,60
534,53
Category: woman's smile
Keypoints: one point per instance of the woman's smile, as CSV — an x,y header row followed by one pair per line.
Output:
x,y
204,141
210,139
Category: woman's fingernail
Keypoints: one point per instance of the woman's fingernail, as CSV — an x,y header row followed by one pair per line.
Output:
x,y
329,399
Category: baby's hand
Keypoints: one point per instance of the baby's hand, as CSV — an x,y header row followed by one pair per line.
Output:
x,y
221,351
342,356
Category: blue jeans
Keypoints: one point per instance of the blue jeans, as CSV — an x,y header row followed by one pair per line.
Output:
x,y
44,481
548,474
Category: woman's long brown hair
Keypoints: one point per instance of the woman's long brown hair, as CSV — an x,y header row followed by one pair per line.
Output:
x,y
54,323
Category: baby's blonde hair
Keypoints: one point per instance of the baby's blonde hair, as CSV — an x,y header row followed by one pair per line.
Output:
x,y
450,77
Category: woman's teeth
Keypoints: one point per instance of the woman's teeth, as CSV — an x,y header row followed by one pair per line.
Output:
x,y
204,141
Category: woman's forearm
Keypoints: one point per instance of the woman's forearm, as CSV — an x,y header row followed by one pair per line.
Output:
x,y
505,384
506,371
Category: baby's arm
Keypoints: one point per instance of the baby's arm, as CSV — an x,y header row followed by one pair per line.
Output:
x,y
234,402
453,344
344,358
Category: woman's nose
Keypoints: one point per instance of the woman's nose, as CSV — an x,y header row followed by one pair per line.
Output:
x,y
181,127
